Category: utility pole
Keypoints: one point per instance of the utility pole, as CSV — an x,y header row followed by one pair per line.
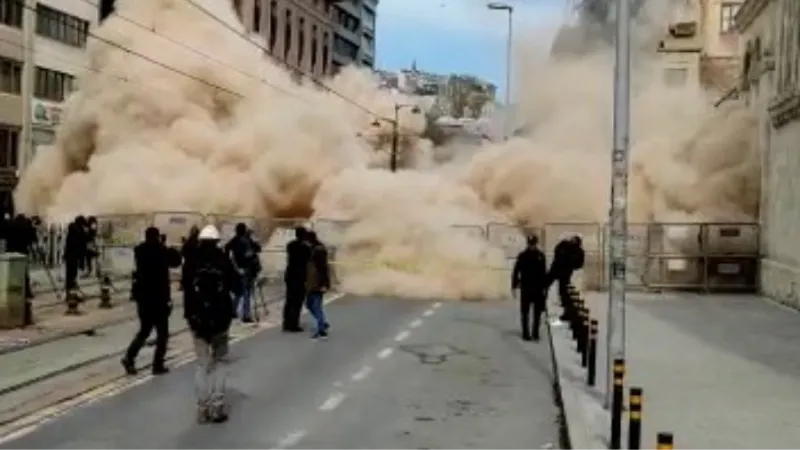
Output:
x,y
25,151
500,6
395,138
618,216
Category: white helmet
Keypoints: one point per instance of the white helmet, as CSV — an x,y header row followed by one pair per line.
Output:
x,y
209,233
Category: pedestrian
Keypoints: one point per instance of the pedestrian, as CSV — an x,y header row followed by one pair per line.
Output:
x,y
245,252
22,238
317,283
568,256
209,312
530,277
74,246
294,277
152,292
92,251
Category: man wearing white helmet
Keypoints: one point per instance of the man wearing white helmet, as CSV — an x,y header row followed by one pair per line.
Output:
x,y
212,282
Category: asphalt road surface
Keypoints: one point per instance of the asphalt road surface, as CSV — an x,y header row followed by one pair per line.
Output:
x,y
395,373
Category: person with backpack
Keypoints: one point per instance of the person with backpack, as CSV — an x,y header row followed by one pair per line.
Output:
x,y
317,283
244,251
209,311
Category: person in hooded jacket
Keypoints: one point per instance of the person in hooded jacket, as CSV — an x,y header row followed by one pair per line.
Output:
x,y
530,277
213,282
298,251
568,256
152,292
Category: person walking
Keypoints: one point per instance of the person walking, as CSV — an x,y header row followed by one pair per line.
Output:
x,y
209,312
294,277
530,277
317,283
244,251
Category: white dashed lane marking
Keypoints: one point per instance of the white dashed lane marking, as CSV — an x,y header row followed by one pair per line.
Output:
x,y
416,323
361,374
385,353
437,305
332,402
402,336
427,313
291,439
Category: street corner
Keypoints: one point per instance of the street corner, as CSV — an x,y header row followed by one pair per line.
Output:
x,y
582,405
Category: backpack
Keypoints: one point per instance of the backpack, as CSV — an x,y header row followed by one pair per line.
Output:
x,y
207,290
246,256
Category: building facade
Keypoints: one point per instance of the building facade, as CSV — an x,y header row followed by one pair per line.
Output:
x,y
354,37
770,83
54,57
297,33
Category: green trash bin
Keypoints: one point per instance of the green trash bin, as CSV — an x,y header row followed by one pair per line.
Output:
x,y
12,290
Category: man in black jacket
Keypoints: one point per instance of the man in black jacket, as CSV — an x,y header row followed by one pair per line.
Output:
x,y
568,257
530,277
209,312
152,292
298,253
245,254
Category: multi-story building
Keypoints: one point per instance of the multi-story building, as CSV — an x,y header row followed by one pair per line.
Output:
x,y
354,38
43,41
770,83
297,33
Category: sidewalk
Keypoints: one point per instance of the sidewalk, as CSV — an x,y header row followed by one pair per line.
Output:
x,y
718,371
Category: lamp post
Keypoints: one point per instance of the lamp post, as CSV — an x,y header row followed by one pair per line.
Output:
x,y
499,6
396,130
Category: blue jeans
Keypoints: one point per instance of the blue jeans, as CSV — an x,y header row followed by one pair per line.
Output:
x,y
244,307
314,305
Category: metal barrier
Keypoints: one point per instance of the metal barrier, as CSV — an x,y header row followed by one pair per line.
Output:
x,y
175,225
476,231
330,230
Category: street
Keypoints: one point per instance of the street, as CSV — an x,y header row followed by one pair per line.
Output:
x,y
396,373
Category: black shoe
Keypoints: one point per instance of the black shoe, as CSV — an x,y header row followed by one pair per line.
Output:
x,y
537,338
160,370
527,337
326,327
296,329
220,418
130,367
247,320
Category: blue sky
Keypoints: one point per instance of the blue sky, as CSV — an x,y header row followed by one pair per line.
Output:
x,y
456,36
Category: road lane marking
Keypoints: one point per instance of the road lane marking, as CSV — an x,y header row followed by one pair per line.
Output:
x,y
437,305
416,323
332,402
291,439
385,353
427,313
402,336
361,374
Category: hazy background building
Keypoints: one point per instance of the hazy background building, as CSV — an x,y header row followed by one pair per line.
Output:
x,y
354,35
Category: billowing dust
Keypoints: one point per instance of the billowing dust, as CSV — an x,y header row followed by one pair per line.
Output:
x,y
232,133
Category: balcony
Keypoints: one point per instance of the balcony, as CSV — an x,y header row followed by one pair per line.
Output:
x,y
682,37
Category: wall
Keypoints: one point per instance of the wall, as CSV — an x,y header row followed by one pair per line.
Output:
x,y
717,45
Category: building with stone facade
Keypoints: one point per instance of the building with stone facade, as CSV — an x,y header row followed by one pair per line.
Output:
x,y
770,84
297,33
43,62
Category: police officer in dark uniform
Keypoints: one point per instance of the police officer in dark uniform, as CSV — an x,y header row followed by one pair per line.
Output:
x,y
530,277
152,293
298,253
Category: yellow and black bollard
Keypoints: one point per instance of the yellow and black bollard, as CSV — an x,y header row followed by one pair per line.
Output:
x,y
635,418
616,403
664,441
591,370
584,342
105,292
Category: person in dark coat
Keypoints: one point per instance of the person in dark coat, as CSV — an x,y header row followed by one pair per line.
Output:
x,y
92,250
22,238
74,252
530,277
568,256
298,252
151,291
318,282
245,252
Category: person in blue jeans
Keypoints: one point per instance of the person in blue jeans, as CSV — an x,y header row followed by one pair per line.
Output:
x,y
317,283
244,251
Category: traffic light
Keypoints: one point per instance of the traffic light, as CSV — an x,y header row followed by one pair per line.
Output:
x,y
106,9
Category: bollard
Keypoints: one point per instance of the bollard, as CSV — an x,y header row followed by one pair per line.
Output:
x,y
585,339
616,403
581,344
105,292
591,371
574,316
635,418
73,300
664,441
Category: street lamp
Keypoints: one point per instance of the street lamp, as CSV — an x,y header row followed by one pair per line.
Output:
x,y
500,6
396,130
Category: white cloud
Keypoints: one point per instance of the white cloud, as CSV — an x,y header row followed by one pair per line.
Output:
x,y
468,16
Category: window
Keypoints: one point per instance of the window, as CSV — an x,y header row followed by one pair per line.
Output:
x,y
52,85
727,17
257,16
325,52
273,24
301,40
9,145
11,13
675,76
54,24
345,47
10,76
368,17
314,43
287,36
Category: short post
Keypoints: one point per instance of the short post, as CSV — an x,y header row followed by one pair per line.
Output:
x,y
616,404
584,342
591,371
635,418
664,441
105,292
73,299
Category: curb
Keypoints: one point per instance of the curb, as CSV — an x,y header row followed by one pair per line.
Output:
x,y
84,363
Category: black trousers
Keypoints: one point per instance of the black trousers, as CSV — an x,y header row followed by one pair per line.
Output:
x,y
532,301
293,305
563,295
71,275
149,319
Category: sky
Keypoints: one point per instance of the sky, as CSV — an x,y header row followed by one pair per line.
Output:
x,y
458,36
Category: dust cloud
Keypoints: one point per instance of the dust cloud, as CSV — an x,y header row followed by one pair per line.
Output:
x,y
229,132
